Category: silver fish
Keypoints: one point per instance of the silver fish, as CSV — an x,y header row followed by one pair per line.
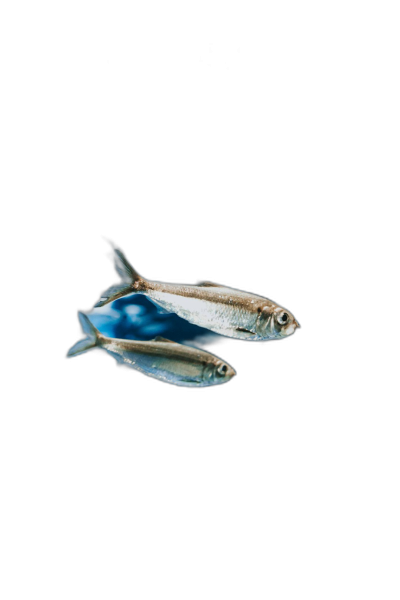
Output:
x,y
160,358
222,309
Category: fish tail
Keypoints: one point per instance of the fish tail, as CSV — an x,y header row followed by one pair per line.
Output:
x,y
131,280
92,340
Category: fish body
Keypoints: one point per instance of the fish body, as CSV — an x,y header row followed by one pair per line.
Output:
x,y
159,358
222,309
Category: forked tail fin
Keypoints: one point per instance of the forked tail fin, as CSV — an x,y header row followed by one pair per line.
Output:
x,y
130,280
92,339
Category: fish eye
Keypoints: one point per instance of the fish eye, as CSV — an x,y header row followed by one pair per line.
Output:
x,y
222,370
283,318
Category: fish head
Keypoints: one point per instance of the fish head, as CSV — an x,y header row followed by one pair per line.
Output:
x,y
218,371
276,322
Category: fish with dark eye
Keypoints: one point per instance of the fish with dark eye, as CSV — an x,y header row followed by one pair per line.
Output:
x,y
159,358
222,309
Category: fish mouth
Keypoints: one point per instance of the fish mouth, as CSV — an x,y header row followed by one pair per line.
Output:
x,y
297,324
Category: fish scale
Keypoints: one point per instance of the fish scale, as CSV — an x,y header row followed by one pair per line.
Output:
x,y
227,311
228,317
160,358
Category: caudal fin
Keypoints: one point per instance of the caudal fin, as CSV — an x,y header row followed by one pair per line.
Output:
x,y
92,339
129,277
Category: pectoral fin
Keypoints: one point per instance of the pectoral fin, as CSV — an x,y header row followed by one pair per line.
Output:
x,y
247,332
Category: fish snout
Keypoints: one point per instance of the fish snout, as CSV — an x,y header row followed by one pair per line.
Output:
x,y
231,372
297,324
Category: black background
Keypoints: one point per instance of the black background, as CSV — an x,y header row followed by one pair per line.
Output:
x,y
203,159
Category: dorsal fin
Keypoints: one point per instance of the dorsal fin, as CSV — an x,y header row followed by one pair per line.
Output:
x,y
209,284
215,285
162,339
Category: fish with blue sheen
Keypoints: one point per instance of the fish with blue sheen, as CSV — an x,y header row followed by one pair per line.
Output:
x,y
160,358
221,309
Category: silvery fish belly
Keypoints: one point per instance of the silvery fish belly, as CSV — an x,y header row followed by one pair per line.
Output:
x,y
159,358
222,309
171,362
